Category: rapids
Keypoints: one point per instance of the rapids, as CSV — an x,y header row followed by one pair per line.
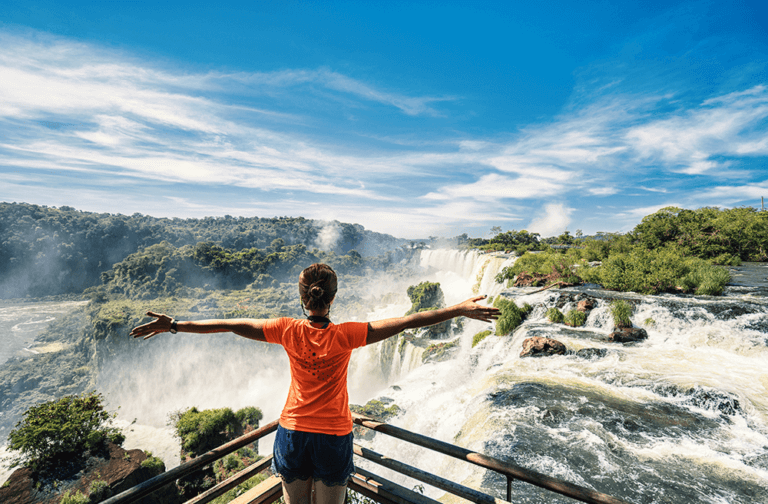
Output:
x,y
679,417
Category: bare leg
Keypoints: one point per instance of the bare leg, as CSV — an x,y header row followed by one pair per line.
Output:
x,y
329,495
297,491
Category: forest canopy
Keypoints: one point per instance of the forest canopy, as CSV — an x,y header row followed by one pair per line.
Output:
x,y
48,250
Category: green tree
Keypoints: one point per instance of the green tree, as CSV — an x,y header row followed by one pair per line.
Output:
x,y
66,428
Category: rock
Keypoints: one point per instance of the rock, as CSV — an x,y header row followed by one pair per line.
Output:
x,y
120,469
538,346
591,353
585,305
627,335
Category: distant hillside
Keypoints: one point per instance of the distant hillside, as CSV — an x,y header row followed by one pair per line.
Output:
x,y
48,250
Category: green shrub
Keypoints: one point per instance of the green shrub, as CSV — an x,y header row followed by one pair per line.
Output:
x,y
66,428
249,416
649,322
511,315
425,296
154,463
98,491
575,318
477,338
658,270
74,498
706,280
555,315
621,311
726,260
376,409
200,431
555,265
438,351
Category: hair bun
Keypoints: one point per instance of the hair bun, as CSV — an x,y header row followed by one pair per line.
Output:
x,y
316,291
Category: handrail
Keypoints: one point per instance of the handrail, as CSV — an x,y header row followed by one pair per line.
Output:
x,y
149,486
511,471
571,490
384,491
231,482
470,494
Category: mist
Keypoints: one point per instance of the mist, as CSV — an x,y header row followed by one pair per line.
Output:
x,y
149,380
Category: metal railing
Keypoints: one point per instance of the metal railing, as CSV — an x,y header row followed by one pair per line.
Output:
x,y
365,482
510,471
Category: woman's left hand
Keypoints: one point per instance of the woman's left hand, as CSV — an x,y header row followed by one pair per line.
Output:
x,y
470,308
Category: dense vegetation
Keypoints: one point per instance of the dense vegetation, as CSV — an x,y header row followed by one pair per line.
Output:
x,y
47,250
202,431
63,430
672,250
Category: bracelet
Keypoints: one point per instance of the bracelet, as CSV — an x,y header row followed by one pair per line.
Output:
x,y
174,330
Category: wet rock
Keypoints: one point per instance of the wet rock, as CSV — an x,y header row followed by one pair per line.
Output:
x,y
377,409
586,305
119,469
439,352
591,353
703,397
540,347
628,335
710,399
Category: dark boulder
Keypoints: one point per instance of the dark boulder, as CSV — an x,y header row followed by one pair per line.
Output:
x,y
118,469
538,346
585,305
627,335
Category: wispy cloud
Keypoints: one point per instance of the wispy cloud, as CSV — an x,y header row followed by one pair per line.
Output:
x,y
99,118
689,141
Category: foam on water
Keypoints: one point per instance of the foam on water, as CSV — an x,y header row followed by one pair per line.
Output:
x,y
682,415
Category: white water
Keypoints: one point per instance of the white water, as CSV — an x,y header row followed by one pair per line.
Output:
x,y
610,423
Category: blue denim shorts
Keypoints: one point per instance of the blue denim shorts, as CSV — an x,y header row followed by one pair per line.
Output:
x,y
302,455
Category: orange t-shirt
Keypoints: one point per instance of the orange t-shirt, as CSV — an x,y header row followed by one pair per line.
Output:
x,y
317,399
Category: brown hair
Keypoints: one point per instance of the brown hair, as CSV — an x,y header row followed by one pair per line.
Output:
x,y
317,286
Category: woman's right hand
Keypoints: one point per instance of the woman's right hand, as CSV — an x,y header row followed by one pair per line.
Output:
x,y
161,324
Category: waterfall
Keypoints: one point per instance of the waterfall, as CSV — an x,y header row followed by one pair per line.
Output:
x,y
683,414
679,417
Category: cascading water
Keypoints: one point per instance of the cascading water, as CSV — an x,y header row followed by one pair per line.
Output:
x,y
680,417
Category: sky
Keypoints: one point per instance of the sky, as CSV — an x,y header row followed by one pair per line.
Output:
x,y
415,118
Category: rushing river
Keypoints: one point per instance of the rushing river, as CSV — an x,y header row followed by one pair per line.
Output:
x,y
21,322
680,417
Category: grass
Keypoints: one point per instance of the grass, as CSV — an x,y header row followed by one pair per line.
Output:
x,y
575,318
621,311
477,338
554,315
511,315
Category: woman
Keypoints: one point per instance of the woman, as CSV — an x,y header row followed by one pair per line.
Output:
x,y
313,444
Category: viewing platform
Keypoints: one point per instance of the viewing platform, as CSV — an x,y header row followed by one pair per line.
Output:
x,y
365,482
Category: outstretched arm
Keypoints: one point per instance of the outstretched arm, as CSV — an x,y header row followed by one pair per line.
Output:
x,y
247,328
383,329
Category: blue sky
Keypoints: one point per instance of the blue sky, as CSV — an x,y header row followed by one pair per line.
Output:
x,y
410,118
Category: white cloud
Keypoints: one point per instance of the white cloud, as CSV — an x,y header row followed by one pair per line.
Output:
x,y
689,140
495,187
602,191
555,220
111,116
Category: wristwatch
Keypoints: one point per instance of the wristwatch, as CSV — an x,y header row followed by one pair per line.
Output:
x,y
174,330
